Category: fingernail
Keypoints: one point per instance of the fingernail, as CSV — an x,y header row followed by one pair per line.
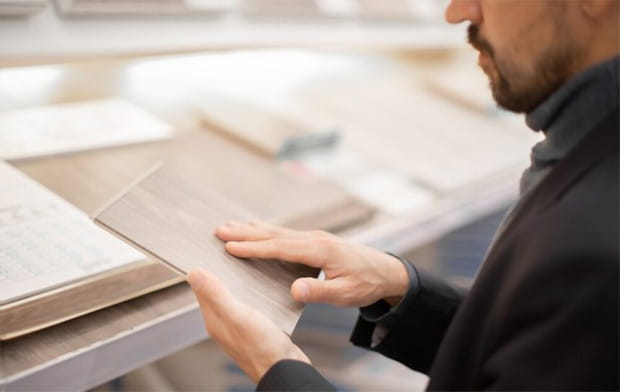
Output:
x,y
234,244
303,290
232,223
195,279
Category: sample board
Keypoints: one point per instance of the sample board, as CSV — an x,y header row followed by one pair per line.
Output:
x,y
174,219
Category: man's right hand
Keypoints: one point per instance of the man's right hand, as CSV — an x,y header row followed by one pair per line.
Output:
x,y
355,275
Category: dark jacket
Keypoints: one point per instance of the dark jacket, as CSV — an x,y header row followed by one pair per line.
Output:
x,y
543,311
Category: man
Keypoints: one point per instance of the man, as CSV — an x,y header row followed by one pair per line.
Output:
x,y
543,311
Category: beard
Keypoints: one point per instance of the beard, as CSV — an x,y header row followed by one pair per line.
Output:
x,y
521,88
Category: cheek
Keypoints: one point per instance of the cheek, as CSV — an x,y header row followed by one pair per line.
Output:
x,y
519,59
500,18
510,67
527,53
514,27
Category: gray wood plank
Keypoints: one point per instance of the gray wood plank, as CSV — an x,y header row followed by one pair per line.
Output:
x,y
174,216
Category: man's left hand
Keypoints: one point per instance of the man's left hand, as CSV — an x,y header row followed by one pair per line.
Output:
x,y
253,341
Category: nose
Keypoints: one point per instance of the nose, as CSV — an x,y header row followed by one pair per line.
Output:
x,y
464,10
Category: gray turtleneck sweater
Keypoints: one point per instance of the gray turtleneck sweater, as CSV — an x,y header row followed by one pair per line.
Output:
x,y
568,115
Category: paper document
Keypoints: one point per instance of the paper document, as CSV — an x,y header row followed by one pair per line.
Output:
x,y
73,127
46,242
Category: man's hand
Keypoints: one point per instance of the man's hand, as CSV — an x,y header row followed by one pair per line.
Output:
x,y
247,336
356,275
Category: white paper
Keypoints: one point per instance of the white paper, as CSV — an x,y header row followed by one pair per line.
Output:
x,y
73,127
46,242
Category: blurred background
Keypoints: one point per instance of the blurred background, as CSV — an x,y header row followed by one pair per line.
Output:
x,y
392,105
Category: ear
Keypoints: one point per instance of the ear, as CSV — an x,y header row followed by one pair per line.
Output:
x,y
595,9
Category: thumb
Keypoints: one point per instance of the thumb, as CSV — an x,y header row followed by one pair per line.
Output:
x,y
315,290
209,291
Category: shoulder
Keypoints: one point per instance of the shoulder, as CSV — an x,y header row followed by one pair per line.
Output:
x,y
583,222
571,247
580,223
568,252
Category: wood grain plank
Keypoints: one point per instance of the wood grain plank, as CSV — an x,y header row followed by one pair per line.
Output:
x,y
51,344
88,180
174,216
85,296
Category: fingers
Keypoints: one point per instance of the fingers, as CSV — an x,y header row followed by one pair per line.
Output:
x,y
305,251
261,240
251,339
214,299
237,232
253,231
310,290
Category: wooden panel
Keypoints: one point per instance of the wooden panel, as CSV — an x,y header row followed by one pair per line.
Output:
x,y
88,180
53,307
173,216
265,130
51,344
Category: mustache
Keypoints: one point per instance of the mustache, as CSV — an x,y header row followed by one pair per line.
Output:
x,y
479,43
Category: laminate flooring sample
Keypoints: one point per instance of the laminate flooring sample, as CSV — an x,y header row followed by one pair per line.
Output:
x,y
174,218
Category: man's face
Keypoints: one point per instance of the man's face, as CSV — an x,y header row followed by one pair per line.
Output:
x,y
527,48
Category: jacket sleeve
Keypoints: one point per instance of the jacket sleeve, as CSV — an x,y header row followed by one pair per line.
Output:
x,y
291,375
416,327
413,329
